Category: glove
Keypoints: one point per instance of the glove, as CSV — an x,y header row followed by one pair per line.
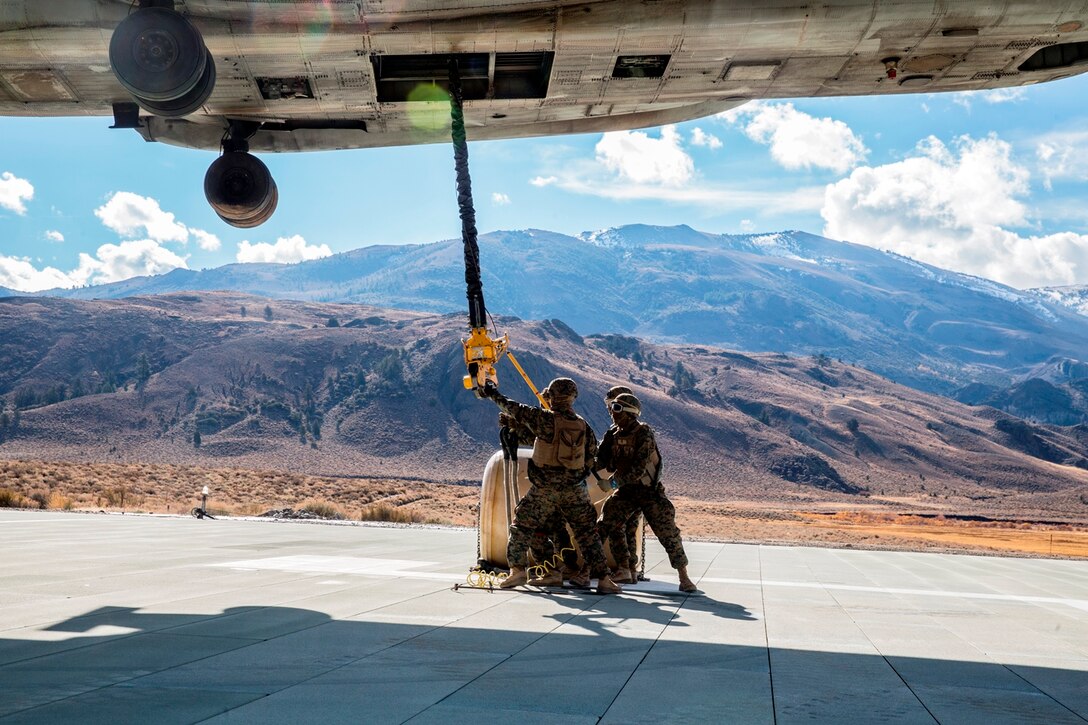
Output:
x,y
604,484
489,390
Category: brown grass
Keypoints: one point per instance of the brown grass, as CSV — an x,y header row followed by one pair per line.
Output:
x,y
59,501
176,489
12,499
386,512
322,508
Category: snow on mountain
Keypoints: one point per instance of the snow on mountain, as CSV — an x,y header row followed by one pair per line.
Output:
x,y
1074,297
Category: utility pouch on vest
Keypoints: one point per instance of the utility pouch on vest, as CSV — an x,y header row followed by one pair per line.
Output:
x,y
567,447
652,473
624,447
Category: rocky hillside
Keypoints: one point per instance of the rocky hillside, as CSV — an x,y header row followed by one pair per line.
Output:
x,y
789,292
223,379
1054,392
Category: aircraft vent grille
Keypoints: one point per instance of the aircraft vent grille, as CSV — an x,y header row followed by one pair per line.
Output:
x,y
568,77
1025,44
991,75
352,79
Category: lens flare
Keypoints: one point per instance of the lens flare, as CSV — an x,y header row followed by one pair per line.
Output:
x,y
429,107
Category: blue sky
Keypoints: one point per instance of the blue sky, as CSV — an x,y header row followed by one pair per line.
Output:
x,y
988,183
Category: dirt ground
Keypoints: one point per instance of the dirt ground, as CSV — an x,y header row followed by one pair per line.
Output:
x,y
749,521
177,489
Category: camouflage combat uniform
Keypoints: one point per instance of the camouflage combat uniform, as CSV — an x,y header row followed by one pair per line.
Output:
x,y
557,493
634,524
634,456
554,537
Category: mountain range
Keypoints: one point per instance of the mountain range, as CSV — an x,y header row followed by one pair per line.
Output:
x,y
788,292
1072,296
224,379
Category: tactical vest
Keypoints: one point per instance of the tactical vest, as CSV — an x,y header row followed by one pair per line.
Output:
x,y
623,448
567,448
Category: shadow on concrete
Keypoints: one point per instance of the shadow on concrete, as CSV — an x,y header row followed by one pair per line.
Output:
x,y
283,664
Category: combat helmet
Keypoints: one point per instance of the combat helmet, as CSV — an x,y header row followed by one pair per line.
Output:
x,y
627,403
561,388
616,390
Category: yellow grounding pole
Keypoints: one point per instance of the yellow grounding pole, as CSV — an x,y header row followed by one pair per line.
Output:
x,y
525,377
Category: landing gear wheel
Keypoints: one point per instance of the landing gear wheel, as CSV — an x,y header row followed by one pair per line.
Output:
x,y
158,55
187,103
241,189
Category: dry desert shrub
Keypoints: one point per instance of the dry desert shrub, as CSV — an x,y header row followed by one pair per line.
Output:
x,y
385,512
249,509
60,501
322,508
11,499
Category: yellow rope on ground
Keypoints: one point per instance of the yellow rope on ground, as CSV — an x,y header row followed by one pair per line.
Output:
x,y
479,578
538,571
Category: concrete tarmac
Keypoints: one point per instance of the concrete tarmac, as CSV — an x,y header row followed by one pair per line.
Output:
x,y
149,619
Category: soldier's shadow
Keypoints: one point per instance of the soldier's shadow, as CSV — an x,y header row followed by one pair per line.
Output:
x,y
601,613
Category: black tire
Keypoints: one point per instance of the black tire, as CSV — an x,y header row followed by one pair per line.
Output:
x,y
258,217
241,190
188,103
157,54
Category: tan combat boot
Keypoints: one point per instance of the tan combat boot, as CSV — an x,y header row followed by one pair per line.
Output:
x,y
554,578
623,575
580,579
516,578
605,585
686,584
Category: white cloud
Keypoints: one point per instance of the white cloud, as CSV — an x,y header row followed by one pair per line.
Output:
x,y
286,250
206,240
798,140
637,157
746,225
111,263
717,198
701,138
951,207
1061,156
992,96
963,99
131,215
131,258
1004,95
127,214
499,199
543,180
19,274
14,192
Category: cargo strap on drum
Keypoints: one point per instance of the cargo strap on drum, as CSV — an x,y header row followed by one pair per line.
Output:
x,y
508,438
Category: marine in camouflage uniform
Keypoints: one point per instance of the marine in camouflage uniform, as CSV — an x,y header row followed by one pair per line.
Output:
x,y
554,537
564,448
634,457
636,522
